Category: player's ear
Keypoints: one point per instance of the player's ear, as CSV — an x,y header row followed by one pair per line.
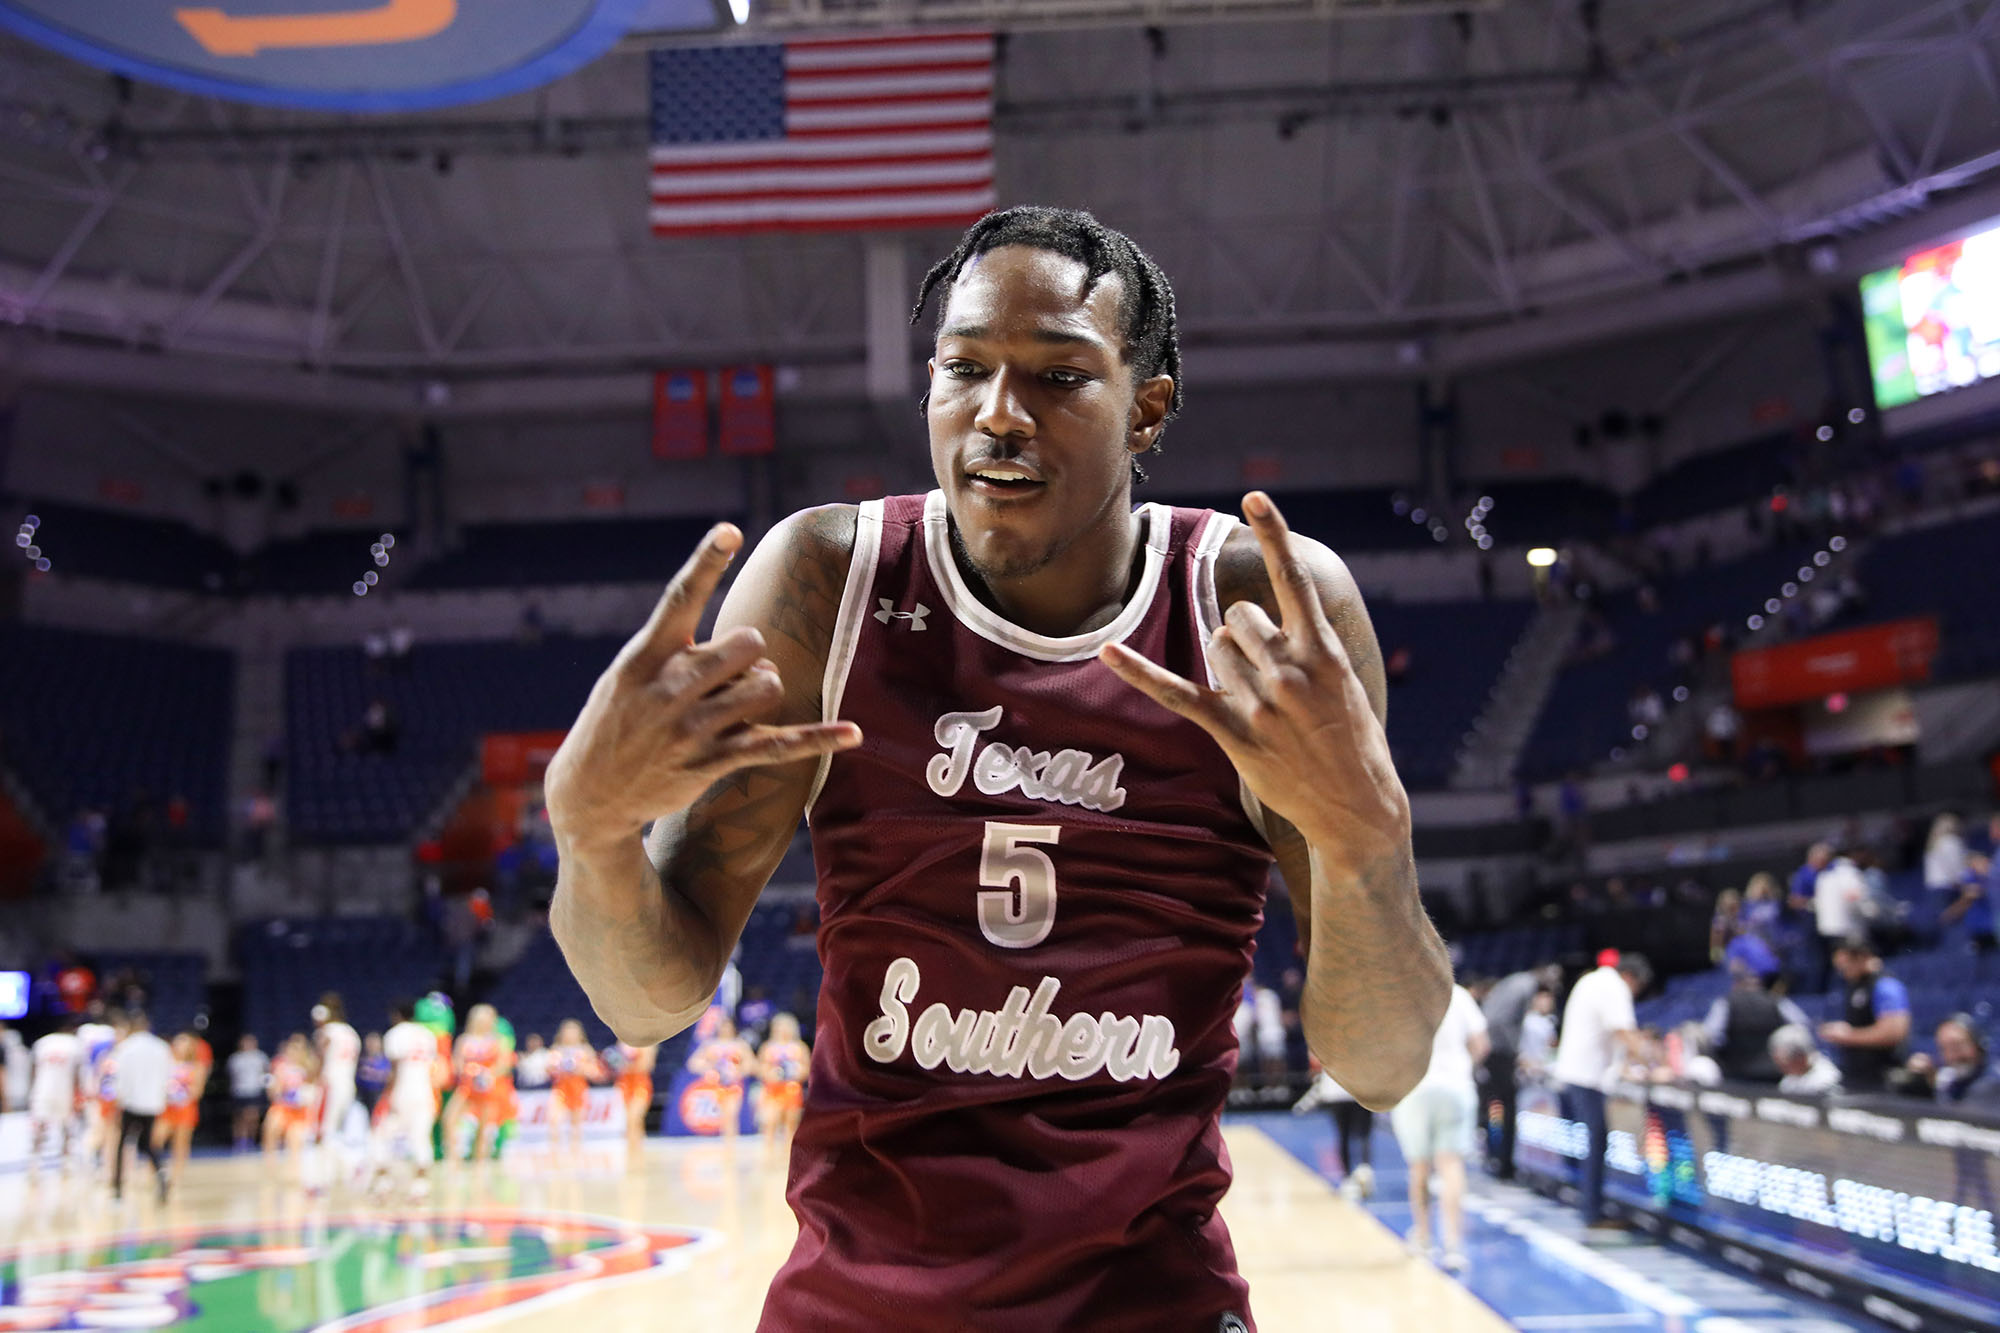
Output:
x,y
1148,417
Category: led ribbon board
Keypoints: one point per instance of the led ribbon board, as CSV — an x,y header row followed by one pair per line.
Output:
x,y
335,55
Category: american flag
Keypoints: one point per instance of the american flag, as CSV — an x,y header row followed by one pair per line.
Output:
x,y
823,134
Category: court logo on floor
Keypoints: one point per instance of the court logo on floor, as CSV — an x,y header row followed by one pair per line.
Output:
x,y
338,1275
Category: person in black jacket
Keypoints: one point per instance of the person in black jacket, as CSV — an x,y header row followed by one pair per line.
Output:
x,y
1739,1027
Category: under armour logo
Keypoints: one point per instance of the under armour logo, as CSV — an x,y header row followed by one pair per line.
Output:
x,y
889,613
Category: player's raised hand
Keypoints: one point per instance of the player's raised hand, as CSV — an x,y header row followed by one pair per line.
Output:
x,y
1291,713
669,716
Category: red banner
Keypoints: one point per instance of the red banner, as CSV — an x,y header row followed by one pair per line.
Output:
x,y
749,412
1871,658
510,757
680,414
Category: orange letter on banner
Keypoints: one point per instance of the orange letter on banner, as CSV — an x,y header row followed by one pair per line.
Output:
x,y
392,21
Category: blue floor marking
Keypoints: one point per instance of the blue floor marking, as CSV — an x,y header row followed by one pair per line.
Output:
x,y
1527,1263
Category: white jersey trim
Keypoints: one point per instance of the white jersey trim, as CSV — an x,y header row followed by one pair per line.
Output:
x,y
975,616
847,626
1207,619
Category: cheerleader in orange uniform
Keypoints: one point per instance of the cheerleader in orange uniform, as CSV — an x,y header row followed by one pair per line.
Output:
x,y
783,1064
634,1065
728,1060
294,1097
485,1088
185,1082
573,1067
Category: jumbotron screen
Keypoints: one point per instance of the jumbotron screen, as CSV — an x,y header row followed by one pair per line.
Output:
x,y
1934,320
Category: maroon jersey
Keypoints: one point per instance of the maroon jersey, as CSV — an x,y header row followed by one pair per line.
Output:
x,y
1038,893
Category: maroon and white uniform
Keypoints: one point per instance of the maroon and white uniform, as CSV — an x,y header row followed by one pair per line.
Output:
x,y
1038,893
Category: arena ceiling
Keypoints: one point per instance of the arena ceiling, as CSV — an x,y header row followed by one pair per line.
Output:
x,y
1389,184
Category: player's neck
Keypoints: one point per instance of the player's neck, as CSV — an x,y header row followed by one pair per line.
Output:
x,y
1081,590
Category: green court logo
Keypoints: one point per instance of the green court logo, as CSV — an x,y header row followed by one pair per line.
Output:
x,y
334,1275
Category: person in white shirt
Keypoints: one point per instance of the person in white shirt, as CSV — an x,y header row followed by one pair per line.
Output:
x,y
143,1066
412,1099
1839,893
1804,1070
1260,1030
52,1093
1538,1035
249,1069
15,1069
339,1057
1600,1037
1945,860
1435,1126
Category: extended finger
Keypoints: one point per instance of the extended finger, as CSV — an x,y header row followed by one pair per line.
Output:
x,y
1291,578
1163,687
755,746
678,613
695,671
750,697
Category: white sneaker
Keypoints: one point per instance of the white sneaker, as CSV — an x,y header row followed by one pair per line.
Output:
x,y
1455,1261
1350,1190
1364,1180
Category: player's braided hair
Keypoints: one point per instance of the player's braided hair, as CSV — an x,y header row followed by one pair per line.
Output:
x,y
1145,310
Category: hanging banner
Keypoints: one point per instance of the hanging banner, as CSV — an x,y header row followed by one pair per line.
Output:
x,y
749,425
507,758
338,55
1871,658
680,414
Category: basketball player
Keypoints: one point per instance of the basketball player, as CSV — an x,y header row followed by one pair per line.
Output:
x,y
782,1062
483,1064
634,1067
1088,730
405,1115
727,1060
339,1047
573,1067
186,1081
102,1031
52,1096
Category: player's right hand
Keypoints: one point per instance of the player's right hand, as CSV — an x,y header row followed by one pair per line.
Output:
x,y
669,716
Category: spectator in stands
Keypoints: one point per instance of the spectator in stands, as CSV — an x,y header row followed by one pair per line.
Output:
x,y
1600,1039
1738,1028
1870,1038
380,730
1506,1008
1763,907
1396,669
401,640
753,1016
1945,866
83,850
1719,732
1973,907
1573,815
248,1069
1804,898
1724,924
76,985
1963,1074
1804,1071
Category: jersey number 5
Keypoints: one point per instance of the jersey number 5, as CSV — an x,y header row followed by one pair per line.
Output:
x,y
1017,898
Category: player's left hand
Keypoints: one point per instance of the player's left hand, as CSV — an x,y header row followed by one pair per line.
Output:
x,y
1292,715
